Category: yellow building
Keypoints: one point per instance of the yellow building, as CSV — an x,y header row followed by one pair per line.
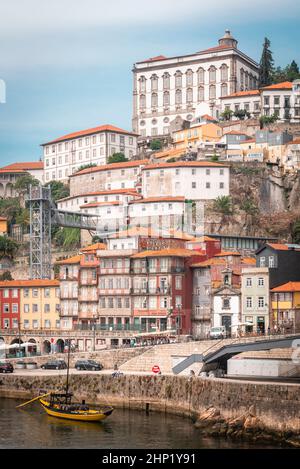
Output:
x,y
39,304
285,303
3,226
192,137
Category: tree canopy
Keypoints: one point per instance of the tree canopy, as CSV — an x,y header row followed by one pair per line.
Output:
x,y
58,190
8,247
266,65
117,158
156,145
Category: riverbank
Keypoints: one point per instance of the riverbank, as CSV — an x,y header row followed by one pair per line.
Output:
x,y
219,407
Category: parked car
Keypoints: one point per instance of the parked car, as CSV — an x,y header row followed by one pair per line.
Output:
x,y
6,367
88,365
217,332
54,365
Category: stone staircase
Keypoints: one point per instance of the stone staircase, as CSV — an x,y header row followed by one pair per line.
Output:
x,y
161,355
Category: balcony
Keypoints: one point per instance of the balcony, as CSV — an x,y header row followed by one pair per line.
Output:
x,y
151,291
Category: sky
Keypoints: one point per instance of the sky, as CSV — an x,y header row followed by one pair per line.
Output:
x,y
67,64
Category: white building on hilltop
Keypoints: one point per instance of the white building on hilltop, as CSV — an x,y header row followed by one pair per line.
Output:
x,y
64,155
188,86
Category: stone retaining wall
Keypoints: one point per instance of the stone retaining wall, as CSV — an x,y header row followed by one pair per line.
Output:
x,y
277,406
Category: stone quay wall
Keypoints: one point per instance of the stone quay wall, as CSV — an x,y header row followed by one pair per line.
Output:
x,y
275,406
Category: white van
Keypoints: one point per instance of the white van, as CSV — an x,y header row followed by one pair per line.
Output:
x,y
217,332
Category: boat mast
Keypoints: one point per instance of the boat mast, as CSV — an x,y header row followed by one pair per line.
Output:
x,y
68,368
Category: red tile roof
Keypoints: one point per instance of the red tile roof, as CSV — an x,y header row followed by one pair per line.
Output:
x,y
285,85
185,164
215,49
93,130
70,260
26,166
278,247
111,192
93,247
287,287
240,94
153,59
109,167
99,204
295,142
168,252
235,132
29,283
227,253
208,117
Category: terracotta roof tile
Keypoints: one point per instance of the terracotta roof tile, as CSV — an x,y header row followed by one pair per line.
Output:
x,y
169,252
99,204
185,164
227,253
153,59
24,166
93,247
287,287
158,199
70,260
93,130
112,166
285,85
29,283
240,94
111,192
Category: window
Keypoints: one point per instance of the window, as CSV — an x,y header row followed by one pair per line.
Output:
x,y
142,84
178,79
226,303
154,100
224,89
47,308
249,282
207,185
224,73
261,301
35,293
178,301
166,81
6,293
221,185
178,97
261,281
35,324
26,308
154,83
15,308
212,92
166,98
163,303
178,282
193,185
15,293
6,308
271,261
262,262
47,292
212,74
200,75
200,93
35,308
189,95
112,137
249,302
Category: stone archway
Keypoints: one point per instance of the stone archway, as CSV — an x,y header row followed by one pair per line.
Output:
x,y
46,348
60,346
16,352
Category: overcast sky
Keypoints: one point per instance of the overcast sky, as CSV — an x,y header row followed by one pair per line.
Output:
x,y
67,63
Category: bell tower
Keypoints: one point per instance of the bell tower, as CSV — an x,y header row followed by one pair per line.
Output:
x,y
228,40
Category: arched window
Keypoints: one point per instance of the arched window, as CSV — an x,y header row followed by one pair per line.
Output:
x,y
212,74
224,72
142,84
251,81
178,79
178,97
166,98
154,100
154,83
142,101
224,89
201,75
189,78
242,76
246,80
189,95
166,81
212,92
200,94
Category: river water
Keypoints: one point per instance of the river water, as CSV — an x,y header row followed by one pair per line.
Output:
x,y
31,427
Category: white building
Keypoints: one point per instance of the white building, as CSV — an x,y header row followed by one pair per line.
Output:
x,y
11,173
64,155
282,99
187,86
198,180
226,302
255,298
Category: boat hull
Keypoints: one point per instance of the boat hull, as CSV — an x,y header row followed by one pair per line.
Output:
x,y
81,416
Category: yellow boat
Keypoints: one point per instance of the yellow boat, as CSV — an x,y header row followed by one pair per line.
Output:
x,y
60,405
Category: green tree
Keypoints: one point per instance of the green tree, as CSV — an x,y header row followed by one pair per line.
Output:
x,y
22,183
265,120
227,114
155,145
6,276
266,65
223,204
85,166
117,158
296,232
68,238
58,190
241,114
10,208
214,157
23,218
292,71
